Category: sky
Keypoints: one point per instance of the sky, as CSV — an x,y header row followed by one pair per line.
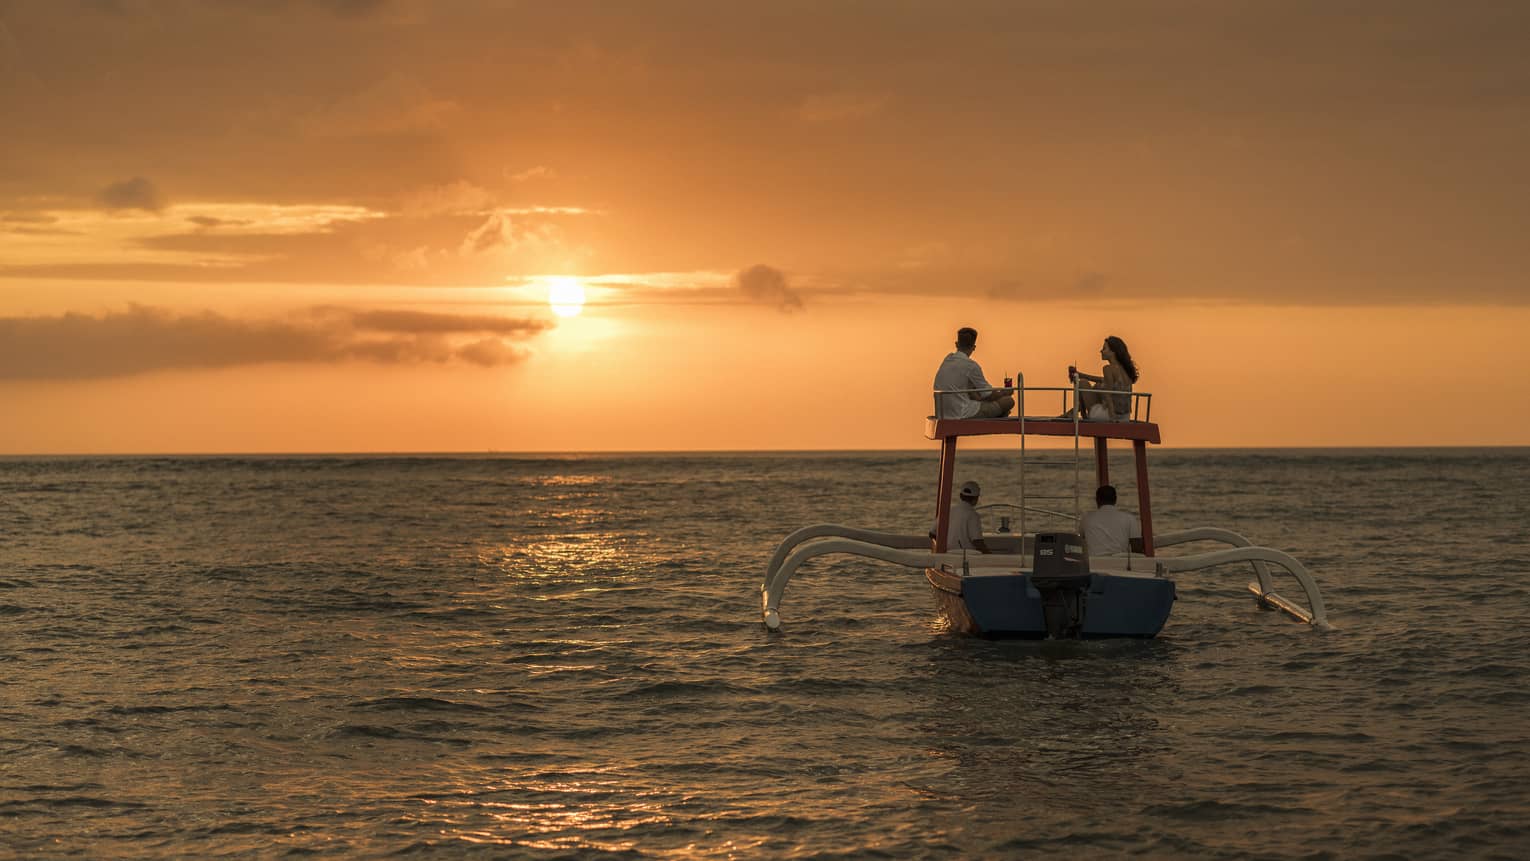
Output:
x,y
337,225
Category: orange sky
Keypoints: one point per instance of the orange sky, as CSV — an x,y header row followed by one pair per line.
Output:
x,y
330,226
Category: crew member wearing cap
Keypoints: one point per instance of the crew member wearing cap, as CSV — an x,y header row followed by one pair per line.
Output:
x,y
966,532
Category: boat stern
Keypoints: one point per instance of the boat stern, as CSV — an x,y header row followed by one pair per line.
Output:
x,y
1008,605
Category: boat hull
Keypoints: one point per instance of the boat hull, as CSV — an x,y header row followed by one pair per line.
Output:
x,y
1006,605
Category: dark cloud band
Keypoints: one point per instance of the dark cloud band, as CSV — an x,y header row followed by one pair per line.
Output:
x,y
767,285
135,193
142,340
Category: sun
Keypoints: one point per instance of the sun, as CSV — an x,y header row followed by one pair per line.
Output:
x,y
565,295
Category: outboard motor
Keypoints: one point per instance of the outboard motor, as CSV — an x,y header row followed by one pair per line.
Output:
x,y
1061,575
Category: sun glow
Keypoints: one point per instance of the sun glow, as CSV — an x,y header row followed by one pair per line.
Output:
x,y
565,295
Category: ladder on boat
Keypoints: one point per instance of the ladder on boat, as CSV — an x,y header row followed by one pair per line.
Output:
x,y
1078,484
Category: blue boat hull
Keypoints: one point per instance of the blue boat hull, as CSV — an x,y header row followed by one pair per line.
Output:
x,y
1007,605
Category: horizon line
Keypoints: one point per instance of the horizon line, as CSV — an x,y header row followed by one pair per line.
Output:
x,y
717,451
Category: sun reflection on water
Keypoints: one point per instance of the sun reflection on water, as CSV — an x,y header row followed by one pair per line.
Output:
x,y
567,480
573,556
589,819
578,515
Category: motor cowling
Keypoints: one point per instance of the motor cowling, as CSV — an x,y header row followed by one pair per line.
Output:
x,y
1061,575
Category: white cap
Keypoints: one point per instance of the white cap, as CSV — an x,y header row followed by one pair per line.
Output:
x,y
970,488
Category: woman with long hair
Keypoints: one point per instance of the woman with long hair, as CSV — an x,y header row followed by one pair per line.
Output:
x,y
1107,396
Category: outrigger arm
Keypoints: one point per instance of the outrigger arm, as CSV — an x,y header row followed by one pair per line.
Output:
x,y
829,538
1244,550
912,551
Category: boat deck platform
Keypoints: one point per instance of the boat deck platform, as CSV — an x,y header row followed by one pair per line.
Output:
x,y
1041,426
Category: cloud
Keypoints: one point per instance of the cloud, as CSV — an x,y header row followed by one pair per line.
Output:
x,y
709,287
766,285
33,224
142,340
135,193
213,221
303,243
453,198
309,244
541,171
493,233
28,218
27,230
490,352
421,322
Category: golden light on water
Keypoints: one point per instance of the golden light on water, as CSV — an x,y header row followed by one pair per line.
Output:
x,y
565,295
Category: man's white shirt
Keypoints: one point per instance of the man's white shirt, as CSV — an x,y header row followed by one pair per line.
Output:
x,y
1109,530
966,526
958,371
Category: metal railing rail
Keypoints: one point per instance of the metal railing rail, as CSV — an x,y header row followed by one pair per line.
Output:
x,y
1141,402
1033,509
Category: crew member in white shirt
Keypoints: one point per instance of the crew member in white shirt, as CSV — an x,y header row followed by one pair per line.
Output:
x,y
966,530
958,372
1108,530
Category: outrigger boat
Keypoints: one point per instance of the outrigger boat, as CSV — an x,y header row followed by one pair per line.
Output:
x,y
1046,584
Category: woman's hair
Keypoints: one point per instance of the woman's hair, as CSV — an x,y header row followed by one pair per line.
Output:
x,y
1123,355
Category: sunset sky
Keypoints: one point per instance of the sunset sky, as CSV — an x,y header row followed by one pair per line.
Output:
x,y
334,225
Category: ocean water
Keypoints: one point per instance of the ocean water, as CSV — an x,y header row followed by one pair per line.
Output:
x,y
563,657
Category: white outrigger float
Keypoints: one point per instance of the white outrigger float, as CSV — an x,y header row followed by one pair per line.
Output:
x,y
1045,584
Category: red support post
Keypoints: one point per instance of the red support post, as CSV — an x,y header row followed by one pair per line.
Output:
x,y
1144,501
1101,462
943,504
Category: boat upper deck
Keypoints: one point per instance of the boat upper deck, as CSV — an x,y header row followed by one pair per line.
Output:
x,y
1041,426
1064,424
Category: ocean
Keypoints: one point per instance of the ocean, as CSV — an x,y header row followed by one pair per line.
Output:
x,y
562,657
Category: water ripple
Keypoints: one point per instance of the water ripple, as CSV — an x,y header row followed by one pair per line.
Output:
x,y
561,657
